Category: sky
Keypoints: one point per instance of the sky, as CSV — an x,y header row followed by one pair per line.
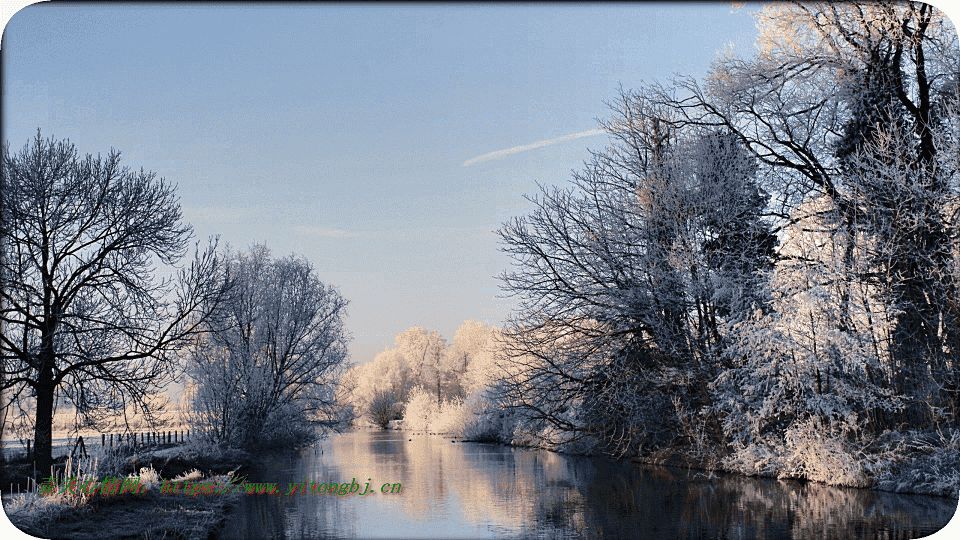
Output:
x,y
386,144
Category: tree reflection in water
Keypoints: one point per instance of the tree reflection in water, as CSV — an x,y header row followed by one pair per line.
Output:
x,y
472,490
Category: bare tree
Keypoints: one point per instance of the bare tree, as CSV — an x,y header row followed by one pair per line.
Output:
x,y
383,408
86,316
269,369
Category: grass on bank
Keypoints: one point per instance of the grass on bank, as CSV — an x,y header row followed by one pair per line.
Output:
x,y
147,514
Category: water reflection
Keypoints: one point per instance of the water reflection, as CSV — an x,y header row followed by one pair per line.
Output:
x,y
465,490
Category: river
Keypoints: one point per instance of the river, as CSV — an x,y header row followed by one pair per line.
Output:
x,y
425,486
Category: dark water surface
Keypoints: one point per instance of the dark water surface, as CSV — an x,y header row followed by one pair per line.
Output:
x,y
471,490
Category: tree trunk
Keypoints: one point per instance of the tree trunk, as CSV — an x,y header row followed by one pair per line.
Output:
x,y
43,428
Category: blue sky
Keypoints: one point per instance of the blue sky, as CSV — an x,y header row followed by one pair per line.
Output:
x,y
385,144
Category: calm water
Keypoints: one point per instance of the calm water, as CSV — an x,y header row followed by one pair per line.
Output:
x,y
469,490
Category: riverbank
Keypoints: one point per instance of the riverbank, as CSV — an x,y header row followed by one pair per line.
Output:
x,y
147,513
934,472
922,463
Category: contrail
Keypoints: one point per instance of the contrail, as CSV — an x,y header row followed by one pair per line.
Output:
x,y
531,146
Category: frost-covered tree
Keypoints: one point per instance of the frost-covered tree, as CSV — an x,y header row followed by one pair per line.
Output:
x,y
267,372
424,352
469,342
388,373
810,356
484,369
419,358
906,212
626,279
832,84
766,261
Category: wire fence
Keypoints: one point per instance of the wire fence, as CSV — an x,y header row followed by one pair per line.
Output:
x,y
81,446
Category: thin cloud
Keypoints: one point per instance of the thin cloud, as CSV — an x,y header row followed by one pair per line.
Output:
x,y
323,231
531,146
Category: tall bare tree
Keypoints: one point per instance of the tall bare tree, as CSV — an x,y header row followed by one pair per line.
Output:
x,y
87,318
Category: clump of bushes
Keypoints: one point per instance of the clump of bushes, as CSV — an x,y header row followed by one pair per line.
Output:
x,y
476,418
916,463
421,410
383,408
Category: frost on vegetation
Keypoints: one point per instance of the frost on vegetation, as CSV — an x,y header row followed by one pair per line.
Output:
x,y
819,453
242,393
422,413
148,478
476,418
189,476
33,509
420,410
839,455
450,418
918,464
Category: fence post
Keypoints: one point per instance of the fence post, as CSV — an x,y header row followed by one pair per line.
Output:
x,y
82,446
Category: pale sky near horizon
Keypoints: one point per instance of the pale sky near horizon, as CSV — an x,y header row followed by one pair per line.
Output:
x,y
386,143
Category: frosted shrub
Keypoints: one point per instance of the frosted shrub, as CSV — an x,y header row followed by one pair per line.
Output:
x,y
817,452
757,458
809,449
481,421
913,465
449,420
472,418
485,420
148,478
383,409
420,410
